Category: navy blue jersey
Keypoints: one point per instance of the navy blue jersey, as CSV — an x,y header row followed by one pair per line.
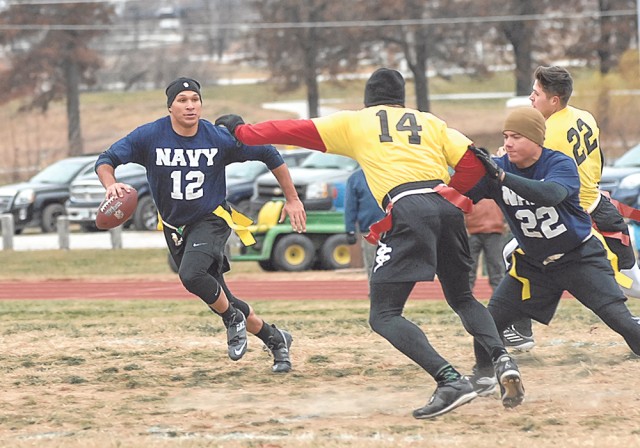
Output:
x,y
186,174
541,231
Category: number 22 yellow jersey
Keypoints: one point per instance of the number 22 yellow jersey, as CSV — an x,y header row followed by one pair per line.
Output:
x,y
575,133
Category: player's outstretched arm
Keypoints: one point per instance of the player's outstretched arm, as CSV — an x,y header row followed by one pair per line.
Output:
x,y
293,206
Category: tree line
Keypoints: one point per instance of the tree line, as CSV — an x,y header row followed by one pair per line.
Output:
x,y
55,49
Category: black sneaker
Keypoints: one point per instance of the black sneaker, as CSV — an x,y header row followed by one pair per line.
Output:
x,y
511,388
447,397
279,348
484,383
237,335
512,338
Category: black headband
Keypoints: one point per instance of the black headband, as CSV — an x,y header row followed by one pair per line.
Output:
x,y
180,85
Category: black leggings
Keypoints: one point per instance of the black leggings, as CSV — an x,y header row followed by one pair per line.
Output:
x,y
200,276
385,317
618,317
615,315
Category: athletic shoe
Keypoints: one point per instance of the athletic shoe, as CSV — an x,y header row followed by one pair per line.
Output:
x,y
484,383
447,397
237,335
508,375
279,348
512,338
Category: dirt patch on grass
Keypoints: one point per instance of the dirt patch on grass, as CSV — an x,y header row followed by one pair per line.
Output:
x,y
140,374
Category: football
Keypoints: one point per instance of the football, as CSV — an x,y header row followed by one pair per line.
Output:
x,y
114,211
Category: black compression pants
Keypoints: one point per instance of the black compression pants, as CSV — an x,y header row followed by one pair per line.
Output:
x,y
203,279
387,304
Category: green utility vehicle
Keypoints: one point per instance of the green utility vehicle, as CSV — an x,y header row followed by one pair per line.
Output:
x,y
278,248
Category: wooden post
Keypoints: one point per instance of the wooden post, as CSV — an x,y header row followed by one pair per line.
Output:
x,y
8,229
63,231
116,237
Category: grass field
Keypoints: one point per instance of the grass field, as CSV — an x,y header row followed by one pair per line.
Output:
x,y
155,374
83,263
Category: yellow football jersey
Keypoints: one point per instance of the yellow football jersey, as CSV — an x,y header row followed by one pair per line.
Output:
x,y
393,145
575,133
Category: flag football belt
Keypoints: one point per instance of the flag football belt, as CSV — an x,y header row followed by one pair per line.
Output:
x,y
234,219
384,225
626,211
621,278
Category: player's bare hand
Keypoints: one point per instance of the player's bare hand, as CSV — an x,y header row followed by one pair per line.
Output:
x,y
117,190
297,215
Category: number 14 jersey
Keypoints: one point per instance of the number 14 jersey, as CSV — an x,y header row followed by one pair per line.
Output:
x,y
394,145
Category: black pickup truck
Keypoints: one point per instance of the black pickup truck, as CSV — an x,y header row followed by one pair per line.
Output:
x,y
39,201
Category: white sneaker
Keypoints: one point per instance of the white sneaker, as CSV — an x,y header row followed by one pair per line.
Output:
x,y
512,338
634,275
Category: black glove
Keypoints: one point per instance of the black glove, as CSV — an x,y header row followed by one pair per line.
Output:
x,y
230,121
351,238
490,166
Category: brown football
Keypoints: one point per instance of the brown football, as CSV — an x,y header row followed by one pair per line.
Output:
x,y
114,211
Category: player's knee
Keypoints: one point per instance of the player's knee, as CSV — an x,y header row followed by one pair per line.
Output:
x,y
201,284
190,278
377,322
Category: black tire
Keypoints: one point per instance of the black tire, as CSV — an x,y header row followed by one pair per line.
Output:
x,y
146,214
267,265
50,217
335,253
293,253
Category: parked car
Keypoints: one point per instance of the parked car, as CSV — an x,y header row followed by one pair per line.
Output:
x,y
86,194
241,177
319,181
622,179
39,201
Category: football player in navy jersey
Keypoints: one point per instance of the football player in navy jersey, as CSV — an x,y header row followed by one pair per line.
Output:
x,y
575,132
538,191
185,158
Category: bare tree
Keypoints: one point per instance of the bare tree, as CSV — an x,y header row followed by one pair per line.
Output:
x,y
436,47
520,35
49,64
297,56
616,33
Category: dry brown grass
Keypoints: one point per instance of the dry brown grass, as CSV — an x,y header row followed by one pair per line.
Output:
x,y
155,374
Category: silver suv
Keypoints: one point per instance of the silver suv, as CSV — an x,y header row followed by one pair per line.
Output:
x,y
320,182
86,193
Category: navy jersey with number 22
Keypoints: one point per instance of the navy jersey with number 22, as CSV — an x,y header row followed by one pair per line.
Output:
x,y
542,231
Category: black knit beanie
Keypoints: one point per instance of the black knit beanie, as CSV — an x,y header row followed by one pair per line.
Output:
x,y
180,85
385,86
